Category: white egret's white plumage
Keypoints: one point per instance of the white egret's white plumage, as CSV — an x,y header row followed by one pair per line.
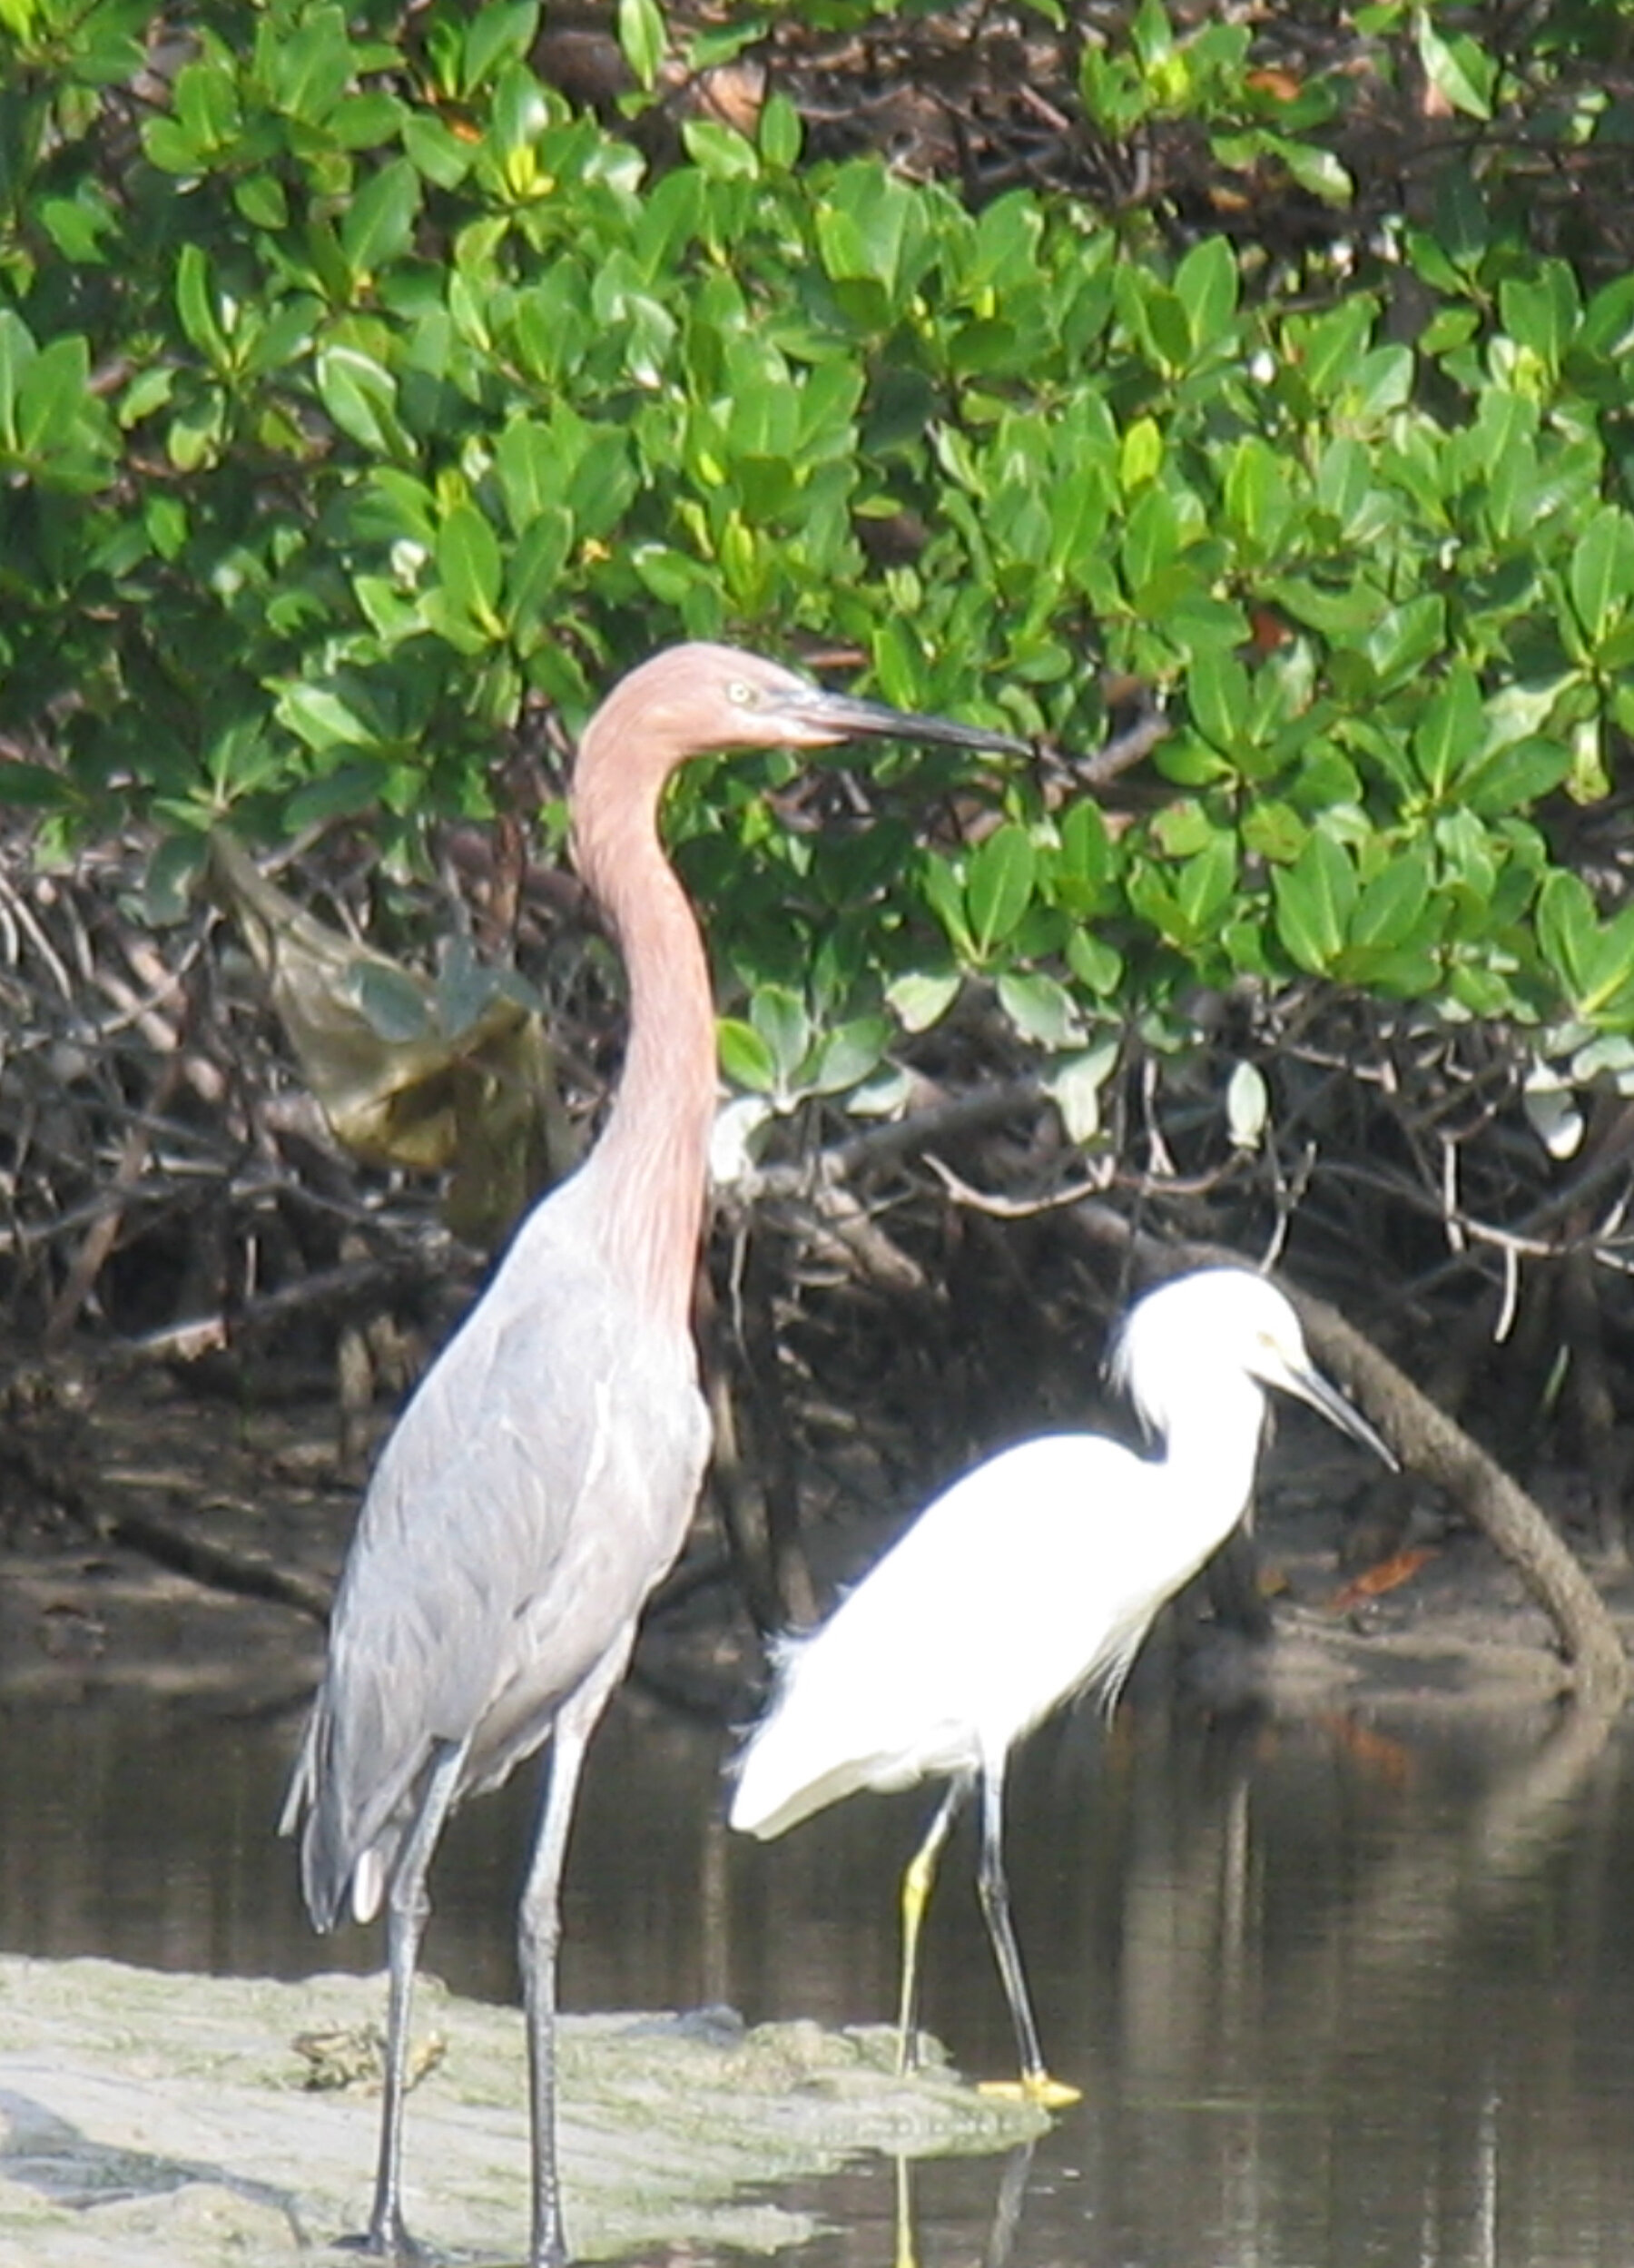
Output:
x,y
1030,1579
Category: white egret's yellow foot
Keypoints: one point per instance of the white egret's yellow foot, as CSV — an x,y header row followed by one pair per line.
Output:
x,y
1050,2095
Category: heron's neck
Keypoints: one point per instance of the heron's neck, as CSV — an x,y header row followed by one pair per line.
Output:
x,y
650,1165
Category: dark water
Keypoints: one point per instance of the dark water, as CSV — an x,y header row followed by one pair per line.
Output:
x,y
1337,1991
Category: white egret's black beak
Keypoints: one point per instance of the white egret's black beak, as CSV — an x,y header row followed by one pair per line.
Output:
x,y
1308,1383
846,717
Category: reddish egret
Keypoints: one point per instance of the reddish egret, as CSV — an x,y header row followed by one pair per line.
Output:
x,y
1033,1577
542,1478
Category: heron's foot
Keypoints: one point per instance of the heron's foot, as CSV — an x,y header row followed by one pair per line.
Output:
x,y
390,2242
1033,2087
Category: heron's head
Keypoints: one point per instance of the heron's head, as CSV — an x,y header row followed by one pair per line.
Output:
x,y
692,700
1191,1334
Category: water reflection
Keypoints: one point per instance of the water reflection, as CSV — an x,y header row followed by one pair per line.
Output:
x,y
1008,2200
1337,1991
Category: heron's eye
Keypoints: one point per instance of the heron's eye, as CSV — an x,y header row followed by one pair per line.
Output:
x,y
742,694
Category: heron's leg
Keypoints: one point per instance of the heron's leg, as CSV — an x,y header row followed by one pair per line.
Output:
x,y
1036,2084
538,1935
407,1908
916,1897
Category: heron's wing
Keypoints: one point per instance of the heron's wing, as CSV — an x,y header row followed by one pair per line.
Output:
x,y
537,1484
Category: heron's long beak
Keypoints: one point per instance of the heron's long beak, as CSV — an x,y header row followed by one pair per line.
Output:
x,y
1310,1387
846,717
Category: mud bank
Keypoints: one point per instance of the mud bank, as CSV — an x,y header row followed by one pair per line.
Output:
x,y
161,2121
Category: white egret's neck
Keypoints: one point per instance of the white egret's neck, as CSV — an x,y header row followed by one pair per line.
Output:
x,y
1210,1440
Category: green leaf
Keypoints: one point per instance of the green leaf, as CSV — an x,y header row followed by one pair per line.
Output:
x,y
720,151
1459,71
1083,870
1566,925
844,1058
436,151
1094,962
1543,312
1217,694
643,39
496,35
944,894
261,198
58,421
362,399
1451,731
1257,494
378,227
1463,231
196,306
1151,538
1040,1008
779,1014
1318,172
1182,829
1075,1086
745,1058
77,225
1204,884
527,459
471,566
17,352
1314,899
919,1000
1513,778
999,886
322,719
1405,638
310,64
534,572
1273,831
1382,381
781,133
1152,34
1140,455
1609,991
1593,960
1392,904
36,786
1601,575
1206,284
1328,347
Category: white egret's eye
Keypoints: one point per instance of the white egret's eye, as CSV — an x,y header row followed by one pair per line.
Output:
x,y
742,694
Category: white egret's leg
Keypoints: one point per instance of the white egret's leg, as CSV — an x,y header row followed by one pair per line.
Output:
x,y
907,2252
916,1897
407,1908
1036,2083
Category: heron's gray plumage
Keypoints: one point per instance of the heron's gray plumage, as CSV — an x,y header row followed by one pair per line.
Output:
x,y
477,1597
541,1481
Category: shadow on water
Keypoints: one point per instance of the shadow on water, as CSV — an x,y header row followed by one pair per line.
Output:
x,y
1339,1989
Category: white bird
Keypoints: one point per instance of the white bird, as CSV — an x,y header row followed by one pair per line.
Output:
x,y
1030,1579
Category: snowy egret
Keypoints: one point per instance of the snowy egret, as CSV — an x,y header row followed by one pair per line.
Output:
x,y
1030,1579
